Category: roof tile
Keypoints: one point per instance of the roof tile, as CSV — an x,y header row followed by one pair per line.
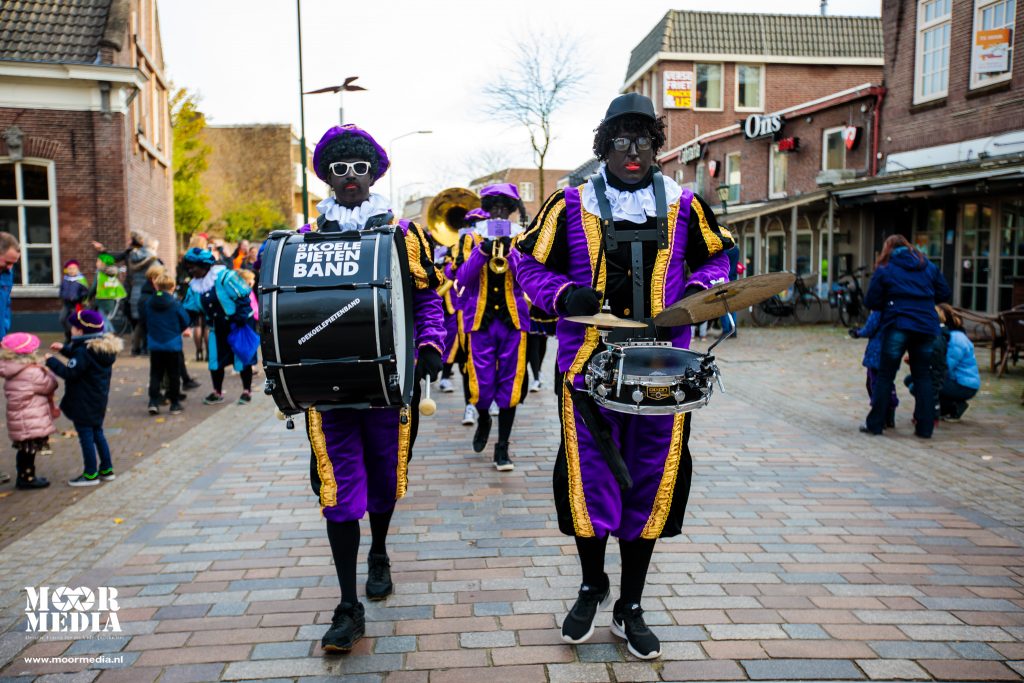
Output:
x,y
52,30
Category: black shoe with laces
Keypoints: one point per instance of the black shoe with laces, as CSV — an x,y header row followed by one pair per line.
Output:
x,y
378,577
190,384
579,622
483,430
628,623
502,462
347,626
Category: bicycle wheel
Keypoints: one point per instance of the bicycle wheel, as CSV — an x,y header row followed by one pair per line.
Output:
x,y
859,317
845,319
808,310
761,317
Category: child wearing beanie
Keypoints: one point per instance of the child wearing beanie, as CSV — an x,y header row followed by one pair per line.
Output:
x,y
29,389
91,354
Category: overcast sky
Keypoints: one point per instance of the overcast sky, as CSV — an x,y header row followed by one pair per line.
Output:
x,y
423,62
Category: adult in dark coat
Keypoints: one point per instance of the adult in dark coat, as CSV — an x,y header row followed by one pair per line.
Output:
x,y
905,288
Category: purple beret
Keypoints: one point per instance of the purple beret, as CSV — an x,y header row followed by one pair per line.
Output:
x,y
87,320
501,190
349,129
474,215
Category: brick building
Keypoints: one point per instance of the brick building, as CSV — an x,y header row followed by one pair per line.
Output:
x,y
85,139
952,144
528,182
258,161
759,103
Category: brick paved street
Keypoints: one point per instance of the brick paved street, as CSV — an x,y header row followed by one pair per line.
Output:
x,y
810,552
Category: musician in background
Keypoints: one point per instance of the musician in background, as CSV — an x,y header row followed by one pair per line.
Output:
x,y
496,320
568,269
457,295
360,457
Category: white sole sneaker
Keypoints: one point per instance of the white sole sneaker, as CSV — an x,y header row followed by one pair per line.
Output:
x,y
621,633
508,467
586,636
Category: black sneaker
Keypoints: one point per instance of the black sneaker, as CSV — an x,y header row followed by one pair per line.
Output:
x,y
190,384
154,408
628,623
245,399
85,480
213,397
502,463
347,626
176,408
108,474
378,577
579,622
483,430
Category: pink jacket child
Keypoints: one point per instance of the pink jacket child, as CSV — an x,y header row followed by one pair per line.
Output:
x,y
29,389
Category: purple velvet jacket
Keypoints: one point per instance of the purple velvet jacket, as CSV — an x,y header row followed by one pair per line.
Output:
x,y
473,276
695,242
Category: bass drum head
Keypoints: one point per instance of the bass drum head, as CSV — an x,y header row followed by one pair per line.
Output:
x,y
402,315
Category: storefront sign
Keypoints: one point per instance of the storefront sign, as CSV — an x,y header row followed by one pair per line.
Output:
x,y
991,52
789,144
678,93
761,126
713,168
691,153
851,136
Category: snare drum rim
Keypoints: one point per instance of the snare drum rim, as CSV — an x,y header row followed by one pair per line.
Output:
x,y
647,409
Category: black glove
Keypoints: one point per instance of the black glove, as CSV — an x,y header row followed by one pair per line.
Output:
x,y
487,246
428,364
853,332
580,301
692,289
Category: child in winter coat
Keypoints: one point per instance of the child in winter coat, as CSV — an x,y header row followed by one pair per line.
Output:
x,y
962,379
873,359
91,354
108,289
29,389
165,320
74,289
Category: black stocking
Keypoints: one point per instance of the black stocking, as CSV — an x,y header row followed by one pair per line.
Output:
x,y
636,558
506,416
464,371
591,552
217,377
379,524
344,539
246,375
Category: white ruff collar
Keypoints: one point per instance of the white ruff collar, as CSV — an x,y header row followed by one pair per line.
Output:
x,y
634,207
355,218
205,283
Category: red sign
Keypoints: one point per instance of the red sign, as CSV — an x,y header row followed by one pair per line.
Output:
x,y
789,144
851,136
713,168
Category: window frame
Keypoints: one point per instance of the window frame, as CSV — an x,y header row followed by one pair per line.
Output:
x,y
923,27
736,87
526,191
700,178
733,187
773,151
824,147
721,76
22,204
980,80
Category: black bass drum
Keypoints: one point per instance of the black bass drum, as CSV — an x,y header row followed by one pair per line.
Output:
x,y
336,319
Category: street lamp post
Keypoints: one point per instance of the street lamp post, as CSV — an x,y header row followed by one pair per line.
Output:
x,y
723,196
302,122
391,176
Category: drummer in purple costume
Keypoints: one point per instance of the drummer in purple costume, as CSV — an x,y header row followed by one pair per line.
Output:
x,y
566,270
496,318
360,457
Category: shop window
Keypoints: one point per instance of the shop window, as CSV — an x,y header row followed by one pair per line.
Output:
x,y
748,255
732,176
833,150
991,57
929,237
776,252
701,178
708,87
778,172
1011,251
975,255
749,87
931,79
803,253
526,191
28,211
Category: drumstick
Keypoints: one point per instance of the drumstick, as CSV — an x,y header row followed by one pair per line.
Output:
x,y
428,406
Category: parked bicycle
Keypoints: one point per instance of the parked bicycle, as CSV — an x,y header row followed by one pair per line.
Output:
x,y
848,297
802,304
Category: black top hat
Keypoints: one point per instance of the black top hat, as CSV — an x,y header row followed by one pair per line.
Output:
x,y
630,103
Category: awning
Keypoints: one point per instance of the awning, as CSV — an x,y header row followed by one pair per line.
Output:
x,y
773,207
928,183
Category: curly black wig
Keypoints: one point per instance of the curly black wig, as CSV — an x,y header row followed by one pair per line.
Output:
x,y
348,147
630,123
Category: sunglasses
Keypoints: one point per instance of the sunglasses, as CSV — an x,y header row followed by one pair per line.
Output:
x,y
623,144
340,168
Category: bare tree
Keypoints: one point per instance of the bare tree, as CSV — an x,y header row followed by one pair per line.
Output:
x,y
545,72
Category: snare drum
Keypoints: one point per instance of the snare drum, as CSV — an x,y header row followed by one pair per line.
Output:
x,y
336,319
650,378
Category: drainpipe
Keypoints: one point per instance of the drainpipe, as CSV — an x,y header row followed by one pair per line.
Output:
x,y
879,96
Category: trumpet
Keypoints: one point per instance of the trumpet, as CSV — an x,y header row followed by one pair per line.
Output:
x,y
498,263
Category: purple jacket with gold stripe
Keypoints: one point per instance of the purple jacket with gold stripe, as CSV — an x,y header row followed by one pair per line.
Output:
x,y
561,248
474,277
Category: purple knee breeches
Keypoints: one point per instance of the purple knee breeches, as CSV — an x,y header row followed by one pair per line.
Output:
x,y
497,365
360,460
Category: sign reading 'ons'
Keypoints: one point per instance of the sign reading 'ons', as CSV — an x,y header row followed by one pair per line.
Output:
x,y
761,126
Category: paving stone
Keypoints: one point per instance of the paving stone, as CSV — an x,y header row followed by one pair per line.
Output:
x,y
963,670
598,652
280,650
488,639
715,670
892,670
905,649
802,669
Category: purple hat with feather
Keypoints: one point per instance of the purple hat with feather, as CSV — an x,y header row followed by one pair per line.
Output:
x,y
501,190
349,129
474,215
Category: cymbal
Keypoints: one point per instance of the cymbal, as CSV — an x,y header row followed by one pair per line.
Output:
x,y
710,303
605,320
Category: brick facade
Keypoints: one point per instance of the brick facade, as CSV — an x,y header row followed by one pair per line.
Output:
x,y
518,176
